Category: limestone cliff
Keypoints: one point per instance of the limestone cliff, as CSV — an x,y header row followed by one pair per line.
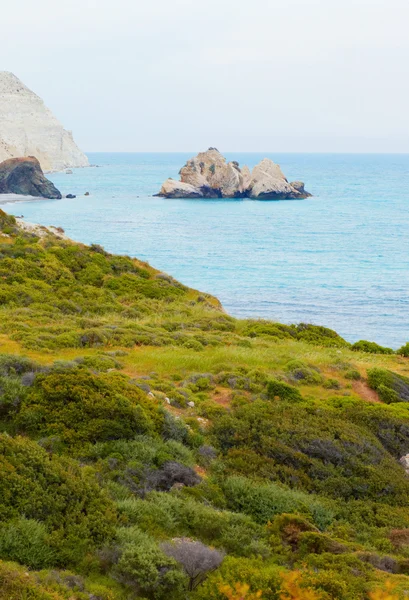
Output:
x,y
29,128
208,175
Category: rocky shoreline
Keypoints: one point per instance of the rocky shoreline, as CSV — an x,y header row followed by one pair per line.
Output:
x,y
209,175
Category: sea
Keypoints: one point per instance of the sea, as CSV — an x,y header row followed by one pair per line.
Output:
x,y
339,259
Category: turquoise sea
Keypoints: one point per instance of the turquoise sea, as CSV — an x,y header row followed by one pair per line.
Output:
x,y
338,259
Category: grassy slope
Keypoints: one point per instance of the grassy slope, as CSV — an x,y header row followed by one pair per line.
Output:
x,y
326,455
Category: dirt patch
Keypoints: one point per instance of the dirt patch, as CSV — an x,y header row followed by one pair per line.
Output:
x,y
366,393
222,397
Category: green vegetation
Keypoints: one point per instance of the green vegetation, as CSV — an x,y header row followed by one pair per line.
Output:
x,y
372,347
152,447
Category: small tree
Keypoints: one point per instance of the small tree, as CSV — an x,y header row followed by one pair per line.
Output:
x,y
196,559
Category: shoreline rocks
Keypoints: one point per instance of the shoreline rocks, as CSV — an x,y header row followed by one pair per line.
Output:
x,y
209,175
24,176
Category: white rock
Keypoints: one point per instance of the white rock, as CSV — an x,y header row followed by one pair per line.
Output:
x,y
28,128
209,175
404,461
179,189
212,175
167,400
151,395
269,182
191,404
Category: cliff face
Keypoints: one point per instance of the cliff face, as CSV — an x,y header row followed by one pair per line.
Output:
x,y
29,128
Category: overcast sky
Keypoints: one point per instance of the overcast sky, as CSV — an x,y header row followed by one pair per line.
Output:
x,y
181,75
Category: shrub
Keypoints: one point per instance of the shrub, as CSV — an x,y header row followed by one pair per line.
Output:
x,y
11,364
170,474
146,569
331,384
264,501
403,350
57,493
390,386
82,407
166,515
196,559
311,542
370,347
302,373
99,363
283,391
12,393
18,584
319,335
262,580
352,374
315,449
26,541
289,528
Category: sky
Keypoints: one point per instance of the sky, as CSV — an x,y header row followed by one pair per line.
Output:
x,y
241,75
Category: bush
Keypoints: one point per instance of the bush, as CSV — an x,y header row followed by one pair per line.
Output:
x,y
12,393
371,348
165,515
314,449
58,494
196,558
146,569
11,364
258,575
264,501
26,541
352,374
283,391
302,373
18,584
170,474
289,528
99,363
390,386
319,335
403,350
80,407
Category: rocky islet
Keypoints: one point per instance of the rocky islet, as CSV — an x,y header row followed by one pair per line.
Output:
x,y
209,175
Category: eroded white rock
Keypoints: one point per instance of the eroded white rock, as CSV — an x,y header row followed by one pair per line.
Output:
x,y
209,175
29,128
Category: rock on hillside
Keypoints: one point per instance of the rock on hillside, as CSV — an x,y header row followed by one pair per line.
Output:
x,y
29,128
24,176
209,175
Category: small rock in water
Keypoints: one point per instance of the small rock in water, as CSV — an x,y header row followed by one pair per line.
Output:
x,y
70,196
68,172
86,194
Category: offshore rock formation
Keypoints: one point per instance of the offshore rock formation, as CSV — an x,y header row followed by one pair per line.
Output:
x,y
28,128
24,176
208,175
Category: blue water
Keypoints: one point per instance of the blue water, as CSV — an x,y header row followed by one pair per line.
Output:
x,y
338,259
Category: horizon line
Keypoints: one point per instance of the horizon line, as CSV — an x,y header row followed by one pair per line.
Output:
x,y
241,151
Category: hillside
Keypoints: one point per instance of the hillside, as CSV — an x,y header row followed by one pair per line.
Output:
x,y
29,128
154,447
